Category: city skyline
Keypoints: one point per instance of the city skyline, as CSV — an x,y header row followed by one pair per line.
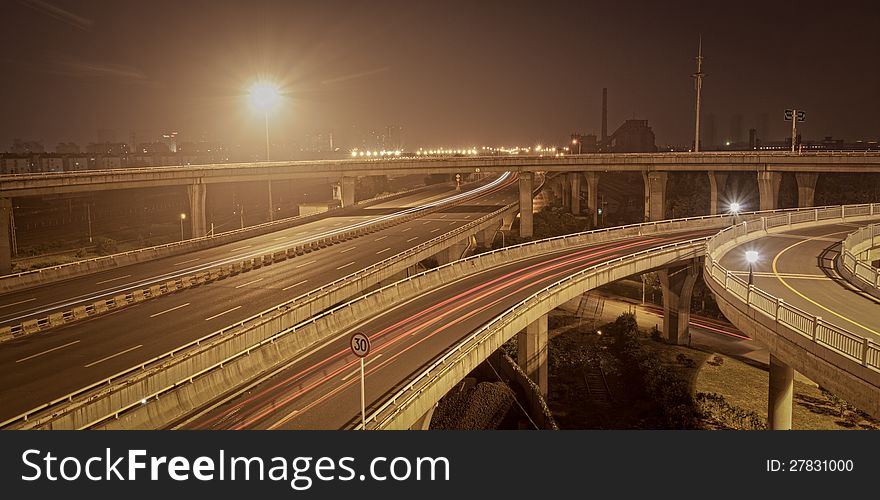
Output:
x,y
371,64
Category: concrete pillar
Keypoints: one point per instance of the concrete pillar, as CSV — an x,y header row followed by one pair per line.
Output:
x,y
806,183
678,287
566,191
486,237
557,189
655,195
531,354
593,195
781,391
271,204
768,189
574,181
526,186
196,194
424,422
5,236
346,185
717,185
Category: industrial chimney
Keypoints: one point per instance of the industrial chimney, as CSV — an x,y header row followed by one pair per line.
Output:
x,y
604,114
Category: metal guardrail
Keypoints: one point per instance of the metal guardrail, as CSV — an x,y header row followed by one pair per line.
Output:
x,y
191,349
854,251
860,349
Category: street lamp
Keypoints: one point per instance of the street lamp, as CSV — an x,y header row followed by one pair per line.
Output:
x,y
751,257
264,97
182,218
734,210
575,141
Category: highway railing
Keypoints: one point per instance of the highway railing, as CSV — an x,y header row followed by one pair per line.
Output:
x,y
854,262
41,276
131,387
859,349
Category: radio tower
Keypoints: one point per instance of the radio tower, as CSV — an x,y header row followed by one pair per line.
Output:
x,y
699,86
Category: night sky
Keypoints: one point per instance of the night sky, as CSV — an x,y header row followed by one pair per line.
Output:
x,y
456,73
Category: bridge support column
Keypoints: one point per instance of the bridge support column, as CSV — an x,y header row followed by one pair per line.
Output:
x,y
781,391
768,189
526,187
806,183
196,194
557,189
655,195
346,186
678,287
486,237
271,203
593,195
574,181
531,353
452,253
424,422
5,236
717,184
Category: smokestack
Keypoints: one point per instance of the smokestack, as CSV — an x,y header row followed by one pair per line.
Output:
x,y
604,114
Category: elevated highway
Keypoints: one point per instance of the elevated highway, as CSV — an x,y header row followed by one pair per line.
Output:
x,y
811,319
40,368
654,167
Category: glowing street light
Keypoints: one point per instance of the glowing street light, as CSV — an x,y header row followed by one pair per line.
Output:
x,y
752,258
182,218
264,97
735,208
575,141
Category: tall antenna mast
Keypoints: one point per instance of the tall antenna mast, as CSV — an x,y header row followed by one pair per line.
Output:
x,y
699,85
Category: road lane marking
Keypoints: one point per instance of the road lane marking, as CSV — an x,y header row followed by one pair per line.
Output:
x,y
358,370
427,222
794,276
250,282
293,285
380,238
280,238
343,267
240,248
186,261
435,230
799,294
114,355
383,251
413,238
304,264
169,310
209,318
46,351
443,216
19,302
347,250
405,230
113,279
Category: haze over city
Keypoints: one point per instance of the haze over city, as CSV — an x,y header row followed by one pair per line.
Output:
x,y
460,73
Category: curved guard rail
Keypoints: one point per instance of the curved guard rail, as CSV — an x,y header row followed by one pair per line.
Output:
x,y
853,261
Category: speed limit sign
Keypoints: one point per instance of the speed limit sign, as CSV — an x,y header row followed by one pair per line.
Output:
x,y
360,345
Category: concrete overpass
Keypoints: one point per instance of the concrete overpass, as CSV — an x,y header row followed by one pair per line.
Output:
x,y
654,167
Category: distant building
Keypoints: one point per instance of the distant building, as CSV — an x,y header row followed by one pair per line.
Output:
x,y
108,148
170,141
20,147
634,136
67,148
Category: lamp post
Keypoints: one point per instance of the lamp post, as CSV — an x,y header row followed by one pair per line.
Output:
x,y
734,210
751,257
575,141
182,218
264,97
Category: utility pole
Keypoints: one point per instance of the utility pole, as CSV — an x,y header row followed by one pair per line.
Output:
x,y
699,86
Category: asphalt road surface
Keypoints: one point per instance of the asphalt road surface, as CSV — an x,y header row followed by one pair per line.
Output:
x,y
797,266
41,367
321,389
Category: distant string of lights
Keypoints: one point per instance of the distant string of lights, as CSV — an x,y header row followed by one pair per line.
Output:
x,y
472,151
